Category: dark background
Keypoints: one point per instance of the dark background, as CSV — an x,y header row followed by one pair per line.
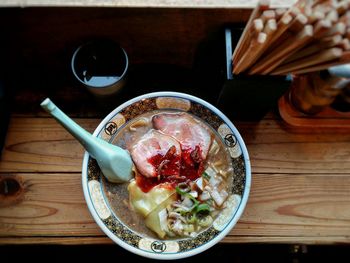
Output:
x,y
232,253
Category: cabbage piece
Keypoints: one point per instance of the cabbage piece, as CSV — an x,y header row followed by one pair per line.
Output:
x,y
154,219
145,203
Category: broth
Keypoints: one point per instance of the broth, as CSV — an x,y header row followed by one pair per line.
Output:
x,y
118,195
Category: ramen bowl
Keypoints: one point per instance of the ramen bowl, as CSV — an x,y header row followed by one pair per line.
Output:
x,y
107,201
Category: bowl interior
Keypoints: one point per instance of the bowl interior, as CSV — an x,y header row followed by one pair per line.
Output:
x,y
97,190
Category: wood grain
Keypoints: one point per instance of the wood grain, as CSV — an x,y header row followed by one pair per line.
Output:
x,y
53,205
297,205
42,145
300,185
282,208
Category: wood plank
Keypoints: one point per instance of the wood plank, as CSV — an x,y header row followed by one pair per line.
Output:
x,y
52,205
281,208
144,3
297,205
41,145
276,148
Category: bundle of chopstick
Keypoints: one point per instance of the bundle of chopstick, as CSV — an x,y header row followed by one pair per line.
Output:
x,y
309,36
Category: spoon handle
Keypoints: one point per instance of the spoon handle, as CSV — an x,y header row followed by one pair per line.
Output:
x,y
85,138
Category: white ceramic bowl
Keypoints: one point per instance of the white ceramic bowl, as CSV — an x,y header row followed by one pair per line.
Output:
x,y
168,249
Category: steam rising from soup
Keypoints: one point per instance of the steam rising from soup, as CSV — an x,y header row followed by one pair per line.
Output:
x,y
183,174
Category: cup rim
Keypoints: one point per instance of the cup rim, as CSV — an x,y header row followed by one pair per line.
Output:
x,y
101,87
213,241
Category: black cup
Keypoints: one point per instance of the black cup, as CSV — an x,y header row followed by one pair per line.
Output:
x,y
101,66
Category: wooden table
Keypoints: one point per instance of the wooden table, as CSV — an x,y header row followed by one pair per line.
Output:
x,y
301,177
300,185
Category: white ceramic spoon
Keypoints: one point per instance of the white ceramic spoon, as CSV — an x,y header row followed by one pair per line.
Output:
x,y
115,162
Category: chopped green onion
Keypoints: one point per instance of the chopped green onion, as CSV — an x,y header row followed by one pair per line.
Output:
x,y
186,194
206,221
194,200
198,210
191,218
203,208
180,191
181,211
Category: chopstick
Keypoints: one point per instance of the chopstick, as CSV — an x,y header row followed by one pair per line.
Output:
x,y
290,44
324,56
261,6
312,49
288,47
257,47
248,57
280,12
345,58
309,35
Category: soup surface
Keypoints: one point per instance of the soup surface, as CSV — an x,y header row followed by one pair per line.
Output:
x,y
182,175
